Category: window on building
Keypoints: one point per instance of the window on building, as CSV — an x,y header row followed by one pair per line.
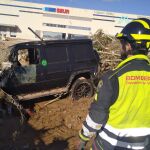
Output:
x,y
66,26
4,32
79,28
53,35
54,25
8,31
13,32
77,36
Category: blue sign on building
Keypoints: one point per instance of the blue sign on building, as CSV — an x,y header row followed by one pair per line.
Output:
x,y
50,9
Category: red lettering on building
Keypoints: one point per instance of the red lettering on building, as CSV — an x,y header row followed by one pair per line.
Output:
x,y
67,11
62,11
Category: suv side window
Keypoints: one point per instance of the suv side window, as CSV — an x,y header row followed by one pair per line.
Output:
x,y
56,54
25,71
82,52
28,57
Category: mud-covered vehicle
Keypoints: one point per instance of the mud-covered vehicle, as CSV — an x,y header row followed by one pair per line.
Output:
x,y
41,68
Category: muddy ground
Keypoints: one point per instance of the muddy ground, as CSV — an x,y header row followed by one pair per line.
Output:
x,y
54,127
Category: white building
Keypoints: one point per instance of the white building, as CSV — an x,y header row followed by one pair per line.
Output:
x,y
51,21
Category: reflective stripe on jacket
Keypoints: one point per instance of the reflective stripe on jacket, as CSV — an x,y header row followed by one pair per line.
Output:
x,y
120,114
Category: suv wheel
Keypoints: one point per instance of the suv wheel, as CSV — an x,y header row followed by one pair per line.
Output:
x,y
81,88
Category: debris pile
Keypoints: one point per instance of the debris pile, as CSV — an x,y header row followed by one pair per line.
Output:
x,y
108,48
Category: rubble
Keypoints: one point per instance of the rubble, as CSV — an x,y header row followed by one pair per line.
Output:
x,y
108,48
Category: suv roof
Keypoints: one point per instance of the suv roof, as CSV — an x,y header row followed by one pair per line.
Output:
x,y
54,41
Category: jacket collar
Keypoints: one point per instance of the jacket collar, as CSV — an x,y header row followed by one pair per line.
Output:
x,y
132,58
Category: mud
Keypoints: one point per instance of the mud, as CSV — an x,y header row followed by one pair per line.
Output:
x,y
54,127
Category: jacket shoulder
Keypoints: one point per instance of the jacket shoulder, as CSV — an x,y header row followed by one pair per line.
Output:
x,y
109,74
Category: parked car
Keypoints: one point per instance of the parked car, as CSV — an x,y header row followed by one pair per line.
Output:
x,y
42,68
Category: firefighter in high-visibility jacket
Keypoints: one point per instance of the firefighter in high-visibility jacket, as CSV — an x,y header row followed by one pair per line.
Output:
x,y
119,117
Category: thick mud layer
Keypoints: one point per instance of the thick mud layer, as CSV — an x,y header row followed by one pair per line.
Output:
x,y
53,127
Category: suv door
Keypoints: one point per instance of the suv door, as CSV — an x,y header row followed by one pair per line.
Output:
x,y
58,67
26,71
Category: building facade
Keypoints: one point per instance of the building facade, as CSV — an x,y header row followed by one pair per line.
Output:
x,y
56,22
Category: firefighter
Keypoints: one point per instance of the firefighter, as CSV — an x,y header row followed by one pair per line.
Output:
x,y
119,117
